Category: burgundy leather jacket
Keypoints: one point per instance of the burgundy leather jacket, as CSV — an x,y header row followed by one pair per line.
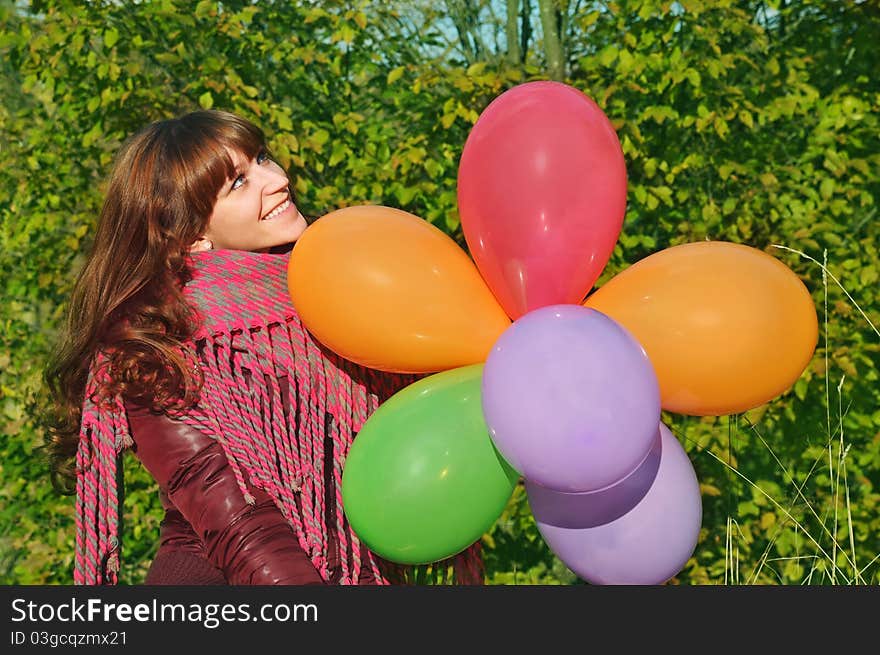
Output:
x,y
210,534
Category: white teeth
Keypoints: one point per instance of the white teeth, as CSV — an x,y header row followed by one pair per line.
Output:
x,y
280,208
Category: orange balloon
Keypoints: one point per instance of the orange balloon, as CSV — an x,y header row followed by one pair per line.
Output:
x,y
727,327
388,290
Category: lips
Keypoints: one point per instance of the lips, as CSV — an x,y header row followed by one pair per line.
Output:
x,y
277,211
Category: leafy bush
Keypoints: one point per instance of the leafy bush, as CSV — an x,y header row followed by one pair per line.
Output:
x,y
754,122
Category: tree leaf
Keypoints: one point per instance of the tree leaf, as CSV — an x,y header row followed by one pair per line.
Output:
x,y
395,75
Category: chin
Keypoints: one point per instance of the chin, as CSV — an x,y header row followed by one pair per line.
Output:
x,y
282,234
298,228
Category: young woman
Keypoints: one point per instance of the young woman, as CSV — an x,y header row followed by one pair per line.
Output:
x,y
182,344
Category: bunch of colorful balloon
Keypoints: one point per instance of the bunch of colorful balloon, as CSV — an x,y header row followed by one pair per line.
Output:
x,y
569,395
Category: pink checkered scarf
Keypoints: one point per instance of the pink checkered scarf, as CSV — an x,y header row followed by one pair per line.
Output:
x,y
249,337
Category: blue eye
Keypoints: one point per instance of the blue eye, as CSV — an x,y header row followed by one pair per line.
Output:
x,y
261,158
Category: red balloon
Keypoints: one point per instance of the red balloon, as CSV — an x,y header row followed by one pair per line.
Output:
x,y
541,195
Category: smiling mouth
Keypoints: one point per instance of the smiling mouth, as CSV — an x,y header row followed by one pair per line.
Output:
x,y
278,210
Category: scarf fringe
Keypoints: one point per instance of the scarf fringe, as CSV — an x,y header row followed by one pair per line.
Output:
x,y
104,436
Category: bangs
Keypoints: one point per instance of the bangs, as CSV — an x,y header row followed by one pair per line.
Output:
x,y
203,142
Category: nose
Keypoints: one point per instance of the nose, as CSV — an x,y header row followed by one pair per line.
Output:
x,y
274,178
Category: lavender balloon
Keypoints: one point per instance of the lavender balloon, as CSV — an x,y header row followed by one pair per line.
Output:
x,y
641,531
570,398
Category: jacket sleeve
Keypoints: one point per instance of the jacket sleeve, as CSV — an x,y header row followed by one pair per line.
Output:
x,y
175,532
180,559
250,544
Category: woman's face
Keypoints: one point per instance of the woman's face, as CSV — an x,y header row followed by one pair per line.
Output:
x,y
254,210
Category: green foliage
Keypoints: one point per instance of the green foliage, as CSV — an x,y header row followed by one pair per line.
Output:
x,y
516,554
754,122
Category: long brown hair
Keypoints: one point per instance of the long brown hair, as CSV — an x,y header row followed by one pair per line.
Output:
x,y
127,303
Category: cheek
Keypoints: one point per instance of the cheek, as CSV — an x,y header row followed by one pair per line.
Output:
x,y
234,214
222,223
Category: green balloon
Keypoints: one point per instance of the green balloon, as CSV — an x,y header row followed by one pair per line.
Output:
x,y
423,480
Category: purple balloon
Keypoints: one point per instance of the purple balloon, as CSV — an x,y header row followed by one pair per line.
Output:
x,y
571,399
595,508
648,536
